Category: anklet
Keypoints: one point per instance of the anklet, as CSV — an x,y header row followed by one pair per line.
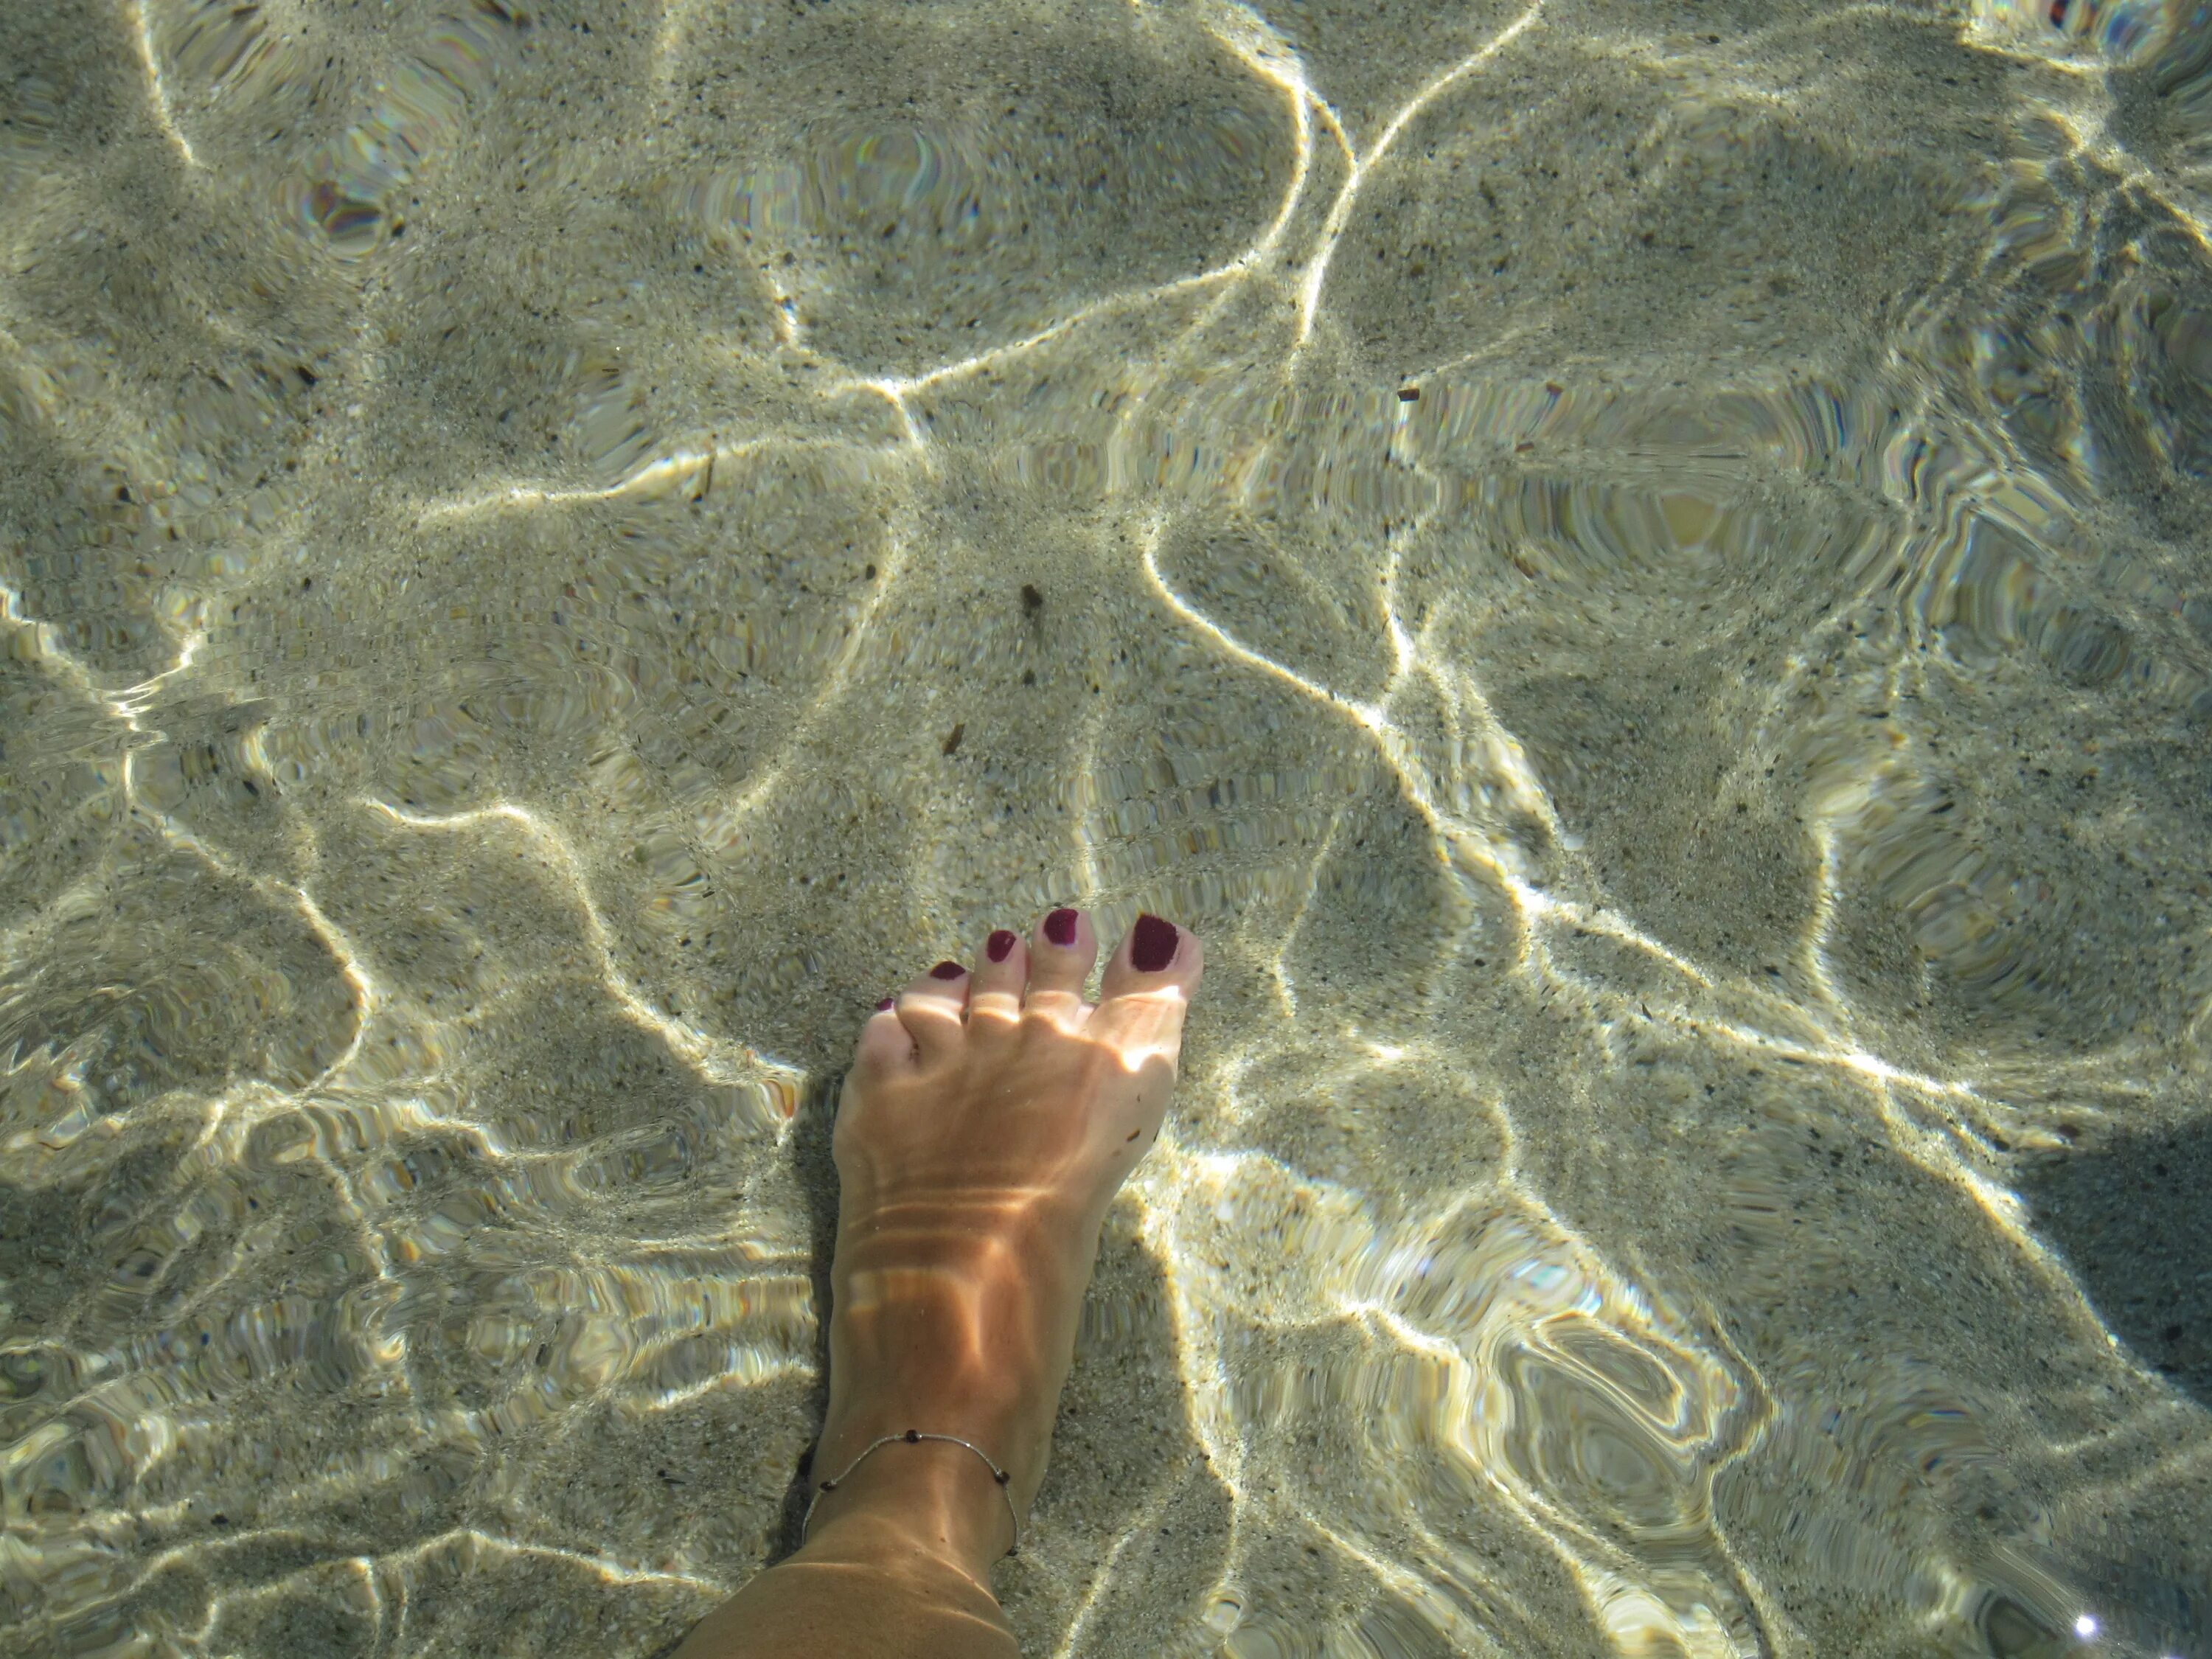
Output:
x,y
914,1437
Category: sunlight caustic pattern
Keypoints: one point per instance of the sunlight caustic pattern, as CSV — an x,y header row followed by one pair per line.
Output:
x,y
1640,575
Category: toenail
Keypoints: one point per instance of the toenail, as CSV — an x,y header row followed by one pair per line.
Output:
x,y
1060,927
947,970
888,1002
1152,944
1000,946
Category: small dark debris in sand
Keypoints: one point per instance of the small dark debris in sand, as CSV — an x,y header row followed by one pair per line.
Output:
x,y
952,738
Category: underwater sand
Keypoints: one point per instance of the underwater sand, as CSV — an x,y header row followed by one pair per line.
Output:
x,y
1642,572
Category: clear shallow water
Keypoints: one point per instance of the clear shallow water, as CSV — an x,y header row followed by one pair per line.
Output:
x,y
1641,572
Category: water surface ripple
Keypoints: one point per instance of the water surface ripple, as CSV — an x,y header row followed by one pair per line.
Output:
x,y
1643,572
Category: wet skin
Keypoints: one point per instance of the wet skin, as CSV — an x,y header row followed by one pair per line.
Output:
x,y
990,1115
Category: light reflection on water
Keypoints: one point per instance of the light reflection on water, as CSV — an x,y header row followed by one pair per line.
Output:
x,y
1641,576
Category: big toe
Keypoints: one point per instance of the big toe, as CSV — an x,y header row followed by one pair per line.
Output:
x,y
1148,984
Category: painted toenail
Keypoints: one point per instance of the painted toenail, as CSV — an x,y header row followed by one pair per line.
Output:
x,y
888,1002
1000,946
1152,944
947,970
1060,927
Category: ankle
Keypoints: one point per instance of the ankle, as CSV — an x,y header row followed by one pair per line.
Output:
x,y
930,1496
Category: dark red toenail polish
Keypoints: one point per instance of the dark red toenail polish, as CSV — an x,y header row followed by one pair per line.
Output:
x,y
1060,927
1000,946
947,970
888,1002
1152,944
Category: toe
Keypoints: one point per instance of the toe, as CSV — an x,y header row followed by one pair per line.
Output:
x,y
884,1046
1148,984
1060,954
994,1000
934,1009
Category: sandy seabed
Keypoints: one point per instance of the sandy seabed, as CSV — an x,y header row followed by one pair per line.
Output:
x,y
1642,572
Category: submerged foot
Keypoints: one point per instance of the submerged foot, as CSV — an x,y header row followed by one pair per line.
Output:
x,y
987,1121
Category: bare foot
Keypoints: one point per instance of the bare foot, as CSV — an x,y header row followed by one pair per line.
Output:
x,y
987,1124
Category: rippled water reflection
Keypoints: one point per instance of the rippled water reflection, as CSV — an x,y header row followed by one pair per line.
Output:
x,y
1642,572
